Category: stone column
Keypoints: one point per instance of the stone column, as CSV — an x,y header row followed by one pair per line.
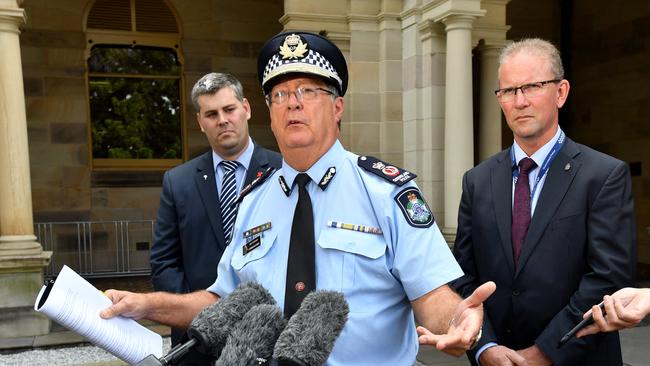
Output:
x,y
21,258
489,142
459,127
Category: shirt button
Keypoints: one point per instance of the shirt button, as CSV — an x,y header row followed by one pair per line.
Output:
x,y
300,286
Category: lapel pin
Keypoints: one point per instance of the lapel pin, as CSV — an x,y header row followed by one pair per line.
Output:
x,y
259,174
567,167
205,177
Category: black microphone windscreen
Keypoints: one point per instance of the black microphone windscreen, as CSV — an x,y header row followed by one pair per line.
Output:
x,y
252,340
214,323
312,331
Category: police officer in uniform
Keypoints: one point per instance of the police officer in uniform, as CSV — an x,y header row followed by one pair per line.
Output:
x,y
330,219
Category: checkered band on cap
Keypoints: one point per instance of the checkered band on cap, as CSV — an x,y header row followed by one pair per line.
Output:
x,y
313,63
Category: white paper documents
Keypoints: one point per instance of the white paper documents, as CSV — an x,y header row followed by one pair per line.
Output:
x,y
74,303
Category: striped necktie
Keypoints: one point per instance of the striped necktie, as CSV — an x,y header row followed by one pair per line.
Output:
x,y
227,198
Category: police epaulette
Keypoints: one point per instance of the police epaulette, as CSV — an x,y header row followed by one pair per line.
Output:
x,y
256,182
391,173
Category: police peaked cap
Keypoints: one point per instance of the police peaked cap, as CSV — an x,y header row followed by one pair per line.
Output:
x,y
303,53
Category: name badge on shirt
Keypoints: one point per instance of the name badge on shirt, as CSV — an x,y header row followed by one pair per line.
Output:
x,y
253,244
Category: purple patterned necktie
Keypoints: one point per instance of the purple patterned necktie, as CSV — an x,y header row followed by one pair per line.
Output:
x,y
521,207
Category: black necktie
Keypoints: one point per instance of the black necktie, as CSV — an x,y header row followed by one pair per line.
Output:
x,y
301,264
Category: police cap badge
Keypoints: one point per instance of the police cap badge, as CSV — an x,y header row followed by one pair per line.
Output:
x,y
302,53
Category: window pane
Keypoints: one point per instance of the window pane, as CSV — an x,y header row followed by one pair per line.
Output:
x,y
135,118
133,60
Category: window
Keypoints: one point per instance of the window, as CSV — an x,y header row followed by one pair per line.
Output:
x,y
134,85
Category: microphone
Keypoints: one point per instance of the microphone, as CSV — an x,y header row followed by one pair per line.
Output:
x,y
214,323
252,340
311,332
209,330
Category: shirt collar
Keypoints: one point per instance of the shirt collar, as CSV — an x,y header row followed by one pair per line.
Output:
x,y
318,170
244,159
539,155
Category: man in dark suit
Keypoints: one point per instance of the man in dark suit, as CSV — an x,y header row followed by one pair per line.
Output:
x,y
549,220
190,236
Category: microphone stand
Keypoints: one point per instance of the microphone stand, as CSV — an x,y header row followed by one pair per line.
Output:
x,y
172,357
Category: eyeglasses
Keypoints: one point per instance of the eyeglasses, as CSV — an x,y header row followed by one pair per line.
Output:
x,y
528,90
302,94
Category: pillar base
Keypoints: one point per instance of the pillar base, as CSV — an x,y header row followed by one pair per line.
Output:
x,y
21,275
19,245
23,322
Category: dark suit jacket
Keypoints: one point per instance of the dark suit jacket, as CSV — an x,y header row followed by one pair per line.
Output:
x,y
188,240
581,245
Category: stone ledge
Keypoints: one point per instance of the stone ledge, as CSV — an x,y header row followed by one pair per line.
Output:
x,y
15,263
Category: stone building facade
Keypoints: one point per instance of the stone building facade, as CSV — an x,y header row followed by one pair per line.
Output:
x,y
422,75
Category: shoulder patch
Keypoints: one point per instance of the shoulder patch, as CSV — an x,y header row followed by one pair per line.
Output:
x,y
391,173
414,207
256,182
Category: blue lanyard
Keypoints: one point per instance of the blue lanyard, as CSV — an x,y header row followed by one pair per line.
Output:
x,y
545,165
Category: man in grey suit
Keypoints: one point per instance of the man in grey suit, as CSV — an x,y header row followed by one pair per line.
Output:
x,y
549,220
191,231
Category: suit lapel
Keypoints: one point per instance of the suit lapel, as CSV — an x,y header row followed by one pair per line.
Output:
x,y
501,181
556,185
258,164
207,187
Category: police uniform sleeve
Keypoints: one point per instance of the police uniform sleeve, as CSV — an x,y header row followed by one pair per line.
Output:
x,y
422,260
227,279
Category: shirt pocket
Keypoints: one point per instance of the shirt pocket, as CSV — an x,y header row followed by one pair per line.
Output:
x,y
356,254
367,245
240,260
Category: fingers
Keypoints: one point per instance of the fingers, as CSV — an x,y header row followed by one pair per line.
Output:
x,y
600,323
516,358
502,356
626,314
615,319
590,329
425,337
442,342
481,294
121,305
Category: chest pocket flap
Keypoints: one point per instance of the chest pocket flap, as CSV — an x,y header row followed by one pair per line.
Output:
x,y
368,245
239,259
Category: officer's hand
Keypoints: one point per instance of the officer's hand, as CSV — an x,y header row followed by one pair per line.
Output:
x,y
501,356
128,304
465,326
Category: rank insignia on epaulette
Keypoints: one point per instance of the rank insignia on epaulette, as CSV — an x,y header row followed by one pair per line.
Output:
x,y
284,186
327,178
256,182
414,207
391,173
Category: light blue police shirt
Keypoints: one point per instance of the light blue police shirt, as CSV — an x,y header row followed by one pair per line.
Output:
x,y
379,274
